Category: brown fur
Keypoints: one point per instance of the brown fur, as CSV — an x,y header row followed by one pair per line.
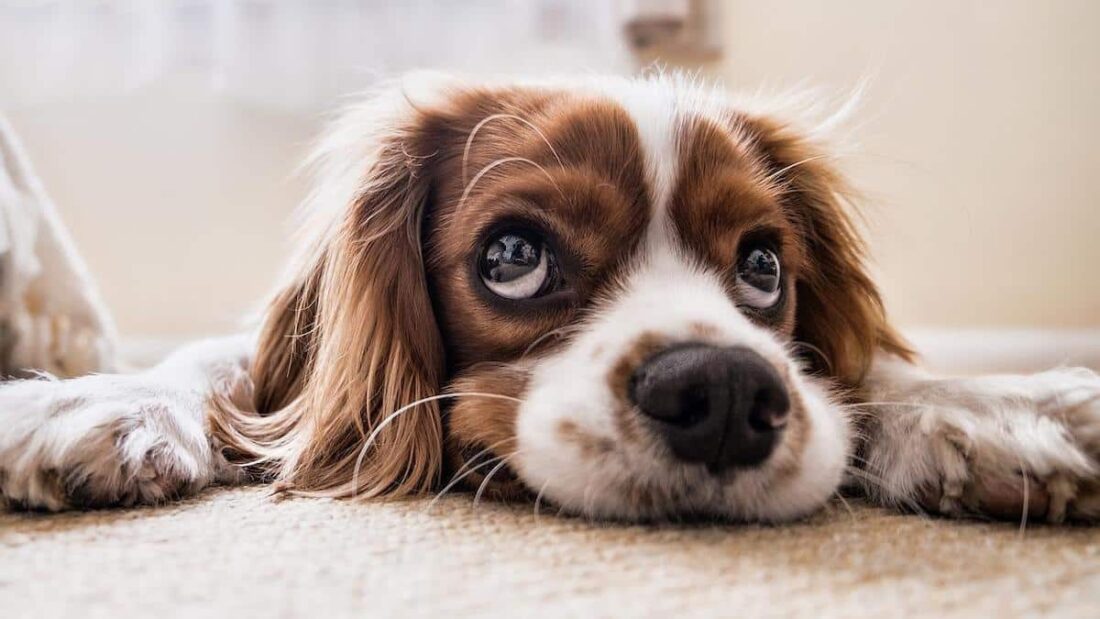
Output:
x,y
345,346
481,431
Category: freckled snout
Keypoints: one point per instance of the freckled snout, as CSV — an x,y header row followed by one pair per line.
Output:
x,y
723,407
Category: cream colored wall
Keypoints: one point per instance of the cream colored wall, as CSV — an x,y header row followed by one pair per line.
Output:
x,y
980,144
979,134
177,199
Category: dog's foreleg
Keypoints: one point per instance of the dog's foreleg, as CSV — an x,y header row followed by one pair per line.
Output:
x,y
1005,446
111,439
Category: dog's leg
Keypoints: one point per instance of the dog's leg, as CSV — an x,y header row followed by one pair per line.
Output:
x,y
111,439
995,446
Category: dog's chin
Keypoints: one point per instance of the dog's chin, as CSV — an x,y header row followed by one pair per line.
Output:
x,y
610,480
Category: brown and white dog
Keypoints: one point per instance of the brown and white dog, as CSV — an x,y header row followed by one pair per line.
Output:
x,y
631,298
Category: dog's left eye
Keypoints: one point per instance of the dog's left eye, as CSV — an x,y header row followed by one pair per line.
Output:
x,y
517,265
758,278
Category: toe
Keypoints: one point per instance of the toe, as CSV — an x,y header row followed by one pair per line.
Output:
x,y
1010,498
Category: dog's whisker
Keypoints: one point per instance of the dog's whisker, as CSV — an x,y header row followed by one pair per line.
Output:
x,y
538,498
545,336
487,120
814,349
587,501
1026,479
774,176
488,449
495,164
887,403
458,479
843,501
404,409
488,477
878,482
1027,500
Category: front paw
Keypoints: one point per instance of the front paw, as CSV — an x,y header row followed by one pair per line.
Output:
x,y
99,441
1002,447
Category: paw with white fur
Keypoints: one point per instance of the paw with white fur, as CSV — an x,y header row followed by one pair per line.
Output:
x,y
998,446
102,441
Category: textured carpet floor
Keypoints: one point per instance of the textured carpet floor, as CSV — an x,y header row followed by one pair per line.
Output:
x,y
239,553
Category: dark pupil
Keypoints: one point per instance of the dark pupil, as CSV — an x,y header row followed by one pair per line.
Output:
x,y
509,257
760,269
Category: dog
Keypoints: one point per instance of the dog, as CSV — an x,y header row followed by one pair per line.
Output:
x,y
636,299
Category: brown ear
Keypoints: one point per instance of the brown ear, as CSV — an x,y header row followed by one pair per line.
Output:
x,y
840,311
351,340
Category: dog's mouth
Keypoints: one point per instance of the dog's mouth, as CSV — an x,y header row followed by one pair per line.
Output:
x,y
700,432
720,457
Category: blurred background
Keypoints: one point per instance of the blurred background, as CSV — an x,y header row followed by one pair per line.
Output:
x,y
168,131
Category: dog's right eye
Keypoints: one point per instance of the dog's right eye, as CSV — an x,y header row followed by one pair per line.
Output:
x,y
518,265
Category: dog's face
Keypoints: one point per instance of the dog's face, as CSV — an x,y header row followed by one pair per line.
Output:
x,y
636,295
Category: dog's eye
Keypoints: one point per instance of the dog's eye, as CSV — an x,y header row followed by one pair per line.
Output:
x,y
758,278
517,265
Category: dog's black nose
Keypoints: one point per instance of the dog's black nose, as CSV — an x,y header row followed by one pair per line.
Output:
x,y
724,407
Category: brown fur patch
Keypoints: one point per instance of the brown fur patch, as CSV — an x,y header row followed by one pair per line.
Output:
x,y
589,445
481,431
703,331
590,203
627,422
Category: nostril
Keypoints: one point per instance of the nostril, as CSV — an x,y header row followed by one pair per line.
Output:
x,y
769,409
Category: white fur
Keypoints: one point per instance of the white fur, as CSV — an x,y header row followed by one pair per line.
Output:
x,y
657,117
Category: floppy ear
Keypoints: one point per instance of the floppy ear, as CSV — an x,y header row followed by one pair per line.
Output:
x,y
840,311
351,339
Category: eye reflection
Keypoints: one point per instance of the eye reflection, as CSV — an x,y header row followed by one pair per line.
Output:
x,y
517,265
758,278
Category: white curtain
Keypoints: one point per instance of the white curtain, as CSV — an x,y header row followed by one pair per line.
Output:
x,y
294,54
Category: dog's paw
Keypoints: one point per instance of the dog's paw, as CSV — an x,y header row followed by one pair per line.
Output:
x,y
1002,447
100,441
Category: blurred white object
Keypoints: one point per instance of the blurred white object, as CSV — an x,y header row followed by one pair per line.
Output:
x,y
292,54
990,350
51,316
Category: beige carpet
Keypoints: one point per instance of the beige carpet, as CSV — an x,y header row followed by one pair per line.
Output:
x,y
239,553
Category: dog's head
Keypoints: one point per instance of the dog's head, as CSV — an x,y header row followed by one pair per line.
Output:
x,y
630,297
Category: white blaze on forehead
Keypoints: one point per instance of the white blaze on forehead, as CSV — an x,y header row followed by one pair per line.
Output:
x,y
655,114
